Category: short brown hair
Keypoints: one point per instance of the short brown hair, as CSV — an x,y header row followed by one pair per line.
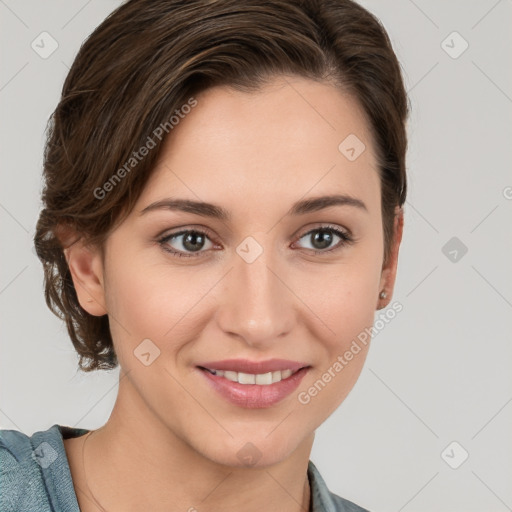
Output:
x,y
145,61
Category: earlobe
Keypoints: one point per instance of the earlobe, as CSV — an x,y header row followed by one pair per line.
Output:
x,y
86,267
388,274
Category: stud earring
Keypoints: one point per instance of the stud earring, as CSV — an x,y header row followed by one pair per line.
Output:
x,y
383,294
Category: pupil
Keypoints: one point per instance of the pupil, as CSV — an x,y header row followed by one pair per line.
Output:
x,y
322,239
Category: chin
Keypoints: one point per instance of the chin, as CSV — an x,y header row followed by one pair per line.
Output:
x,y
252,451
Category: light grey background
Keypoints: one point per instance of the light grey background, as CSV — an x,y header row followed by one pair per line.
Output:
x,y
438,373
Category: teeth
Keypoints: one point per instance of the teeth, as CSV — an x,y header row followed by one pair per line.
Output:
x,y
247,378
285,374
230,375
263,379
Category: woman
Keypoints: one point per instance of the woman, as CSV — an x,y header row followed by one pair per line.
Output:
x,y
222,216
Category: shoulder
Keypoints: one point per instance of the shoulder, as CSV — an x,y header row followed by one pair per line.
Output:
x,y
22,459
323,500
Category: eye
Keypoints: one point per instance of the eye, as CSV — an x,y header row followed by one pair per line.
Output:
x,y
192,240
322,238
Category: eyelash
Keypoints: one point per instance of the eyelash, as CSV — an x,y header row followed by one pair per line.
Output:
x,y
346,239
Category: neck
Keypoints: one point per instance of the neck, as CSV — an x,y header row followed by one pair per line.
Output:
x,y
134,462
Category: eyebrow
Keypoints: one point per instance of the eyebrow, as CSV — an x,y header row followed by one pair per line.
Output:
x,y
302,207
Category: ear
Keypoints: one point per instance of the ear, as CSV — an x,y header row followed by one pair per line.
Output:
x,y
86,267
388,274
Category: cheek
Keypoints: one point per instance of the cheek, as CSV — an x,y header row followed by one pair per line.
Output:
x,y
151,301
345,297
347,308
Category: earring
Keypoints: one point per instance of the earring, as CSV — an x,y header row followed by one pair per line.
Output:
x,y
383,294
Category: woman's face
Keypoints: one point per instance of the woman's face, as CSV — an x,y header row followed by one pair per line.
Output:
x,y
249,286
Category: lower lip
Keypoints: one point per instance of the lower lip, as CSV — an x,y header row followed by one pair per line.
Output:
x,y
255,396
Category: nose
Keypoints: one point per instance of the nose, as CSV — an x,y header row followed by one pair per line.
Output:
x,y
257,305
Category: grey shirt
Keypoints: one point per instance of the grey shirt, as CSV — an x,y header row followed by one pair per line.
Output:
x,y
35,475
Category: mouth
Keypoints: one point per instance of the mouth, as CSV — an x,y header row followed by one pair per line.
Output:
x,y
261,379
267,384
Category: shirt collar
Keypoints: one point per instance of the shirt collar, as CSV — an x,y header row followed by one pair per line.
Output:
x,y
321,500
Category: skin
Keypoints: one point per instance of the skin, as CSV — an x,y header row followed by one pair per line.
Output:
x,y
254,155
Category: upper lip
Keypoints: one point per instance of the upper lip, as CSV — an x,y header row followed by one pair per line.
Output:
x,y
256,367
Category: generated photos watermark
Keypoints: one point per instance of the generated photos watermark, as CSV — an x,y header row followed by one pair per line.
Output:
x,y
342,361
137,156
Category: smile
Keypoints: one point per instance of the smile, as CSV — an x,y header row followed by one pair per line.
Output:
x,y
262,379
253,384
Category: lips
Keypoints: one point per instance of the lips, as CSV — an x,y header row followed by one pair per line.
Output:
x,y
254,384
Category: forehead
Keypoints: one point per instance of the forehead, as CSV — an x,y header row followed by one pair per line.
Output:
x,y
287,140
